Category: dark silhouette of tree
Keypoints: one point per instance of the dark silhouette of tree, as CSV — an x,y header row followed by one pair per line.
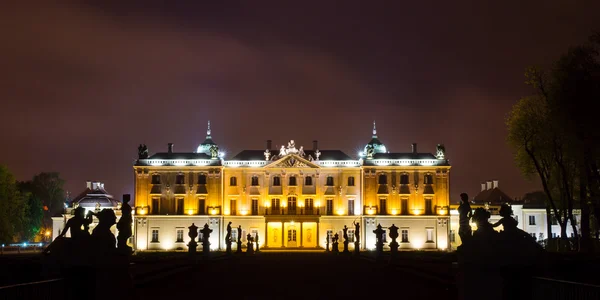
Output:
x,y
12,207
48,186
34,214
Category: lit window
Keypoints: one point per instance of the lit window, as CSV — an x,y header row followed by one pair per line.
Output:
x,y
233,181
531,220
179,236
429,235
154,236
404,236
351,235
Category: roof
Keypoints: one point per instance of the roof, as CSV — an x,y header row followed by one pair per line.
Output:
x,y
260,155
179,155
494,196
90,197
409,155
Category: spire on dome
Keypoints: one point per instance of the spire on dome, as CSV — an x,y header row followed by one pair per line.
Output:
x,y
207,144
208,130
374,130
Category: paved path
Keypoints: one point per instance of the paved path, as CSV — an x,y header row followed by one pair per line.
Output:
x,y
297,275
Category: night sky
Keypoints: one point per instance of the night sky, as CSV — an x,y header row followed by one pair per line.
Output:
x,y
83,84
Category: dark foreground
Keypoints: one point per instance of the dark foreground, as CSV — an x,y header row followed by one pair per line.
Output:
x,y
294,276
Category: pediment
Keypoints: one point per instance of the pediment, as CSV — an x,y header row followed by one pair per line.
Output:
x,y
292,161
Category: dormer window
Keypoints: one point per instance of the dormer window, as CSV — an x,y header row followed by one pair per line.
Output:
x,y
155,179
382,179
180,179
233,181
404,179
276,181
254,180
329,181
202,179
292,181
308,180
428,179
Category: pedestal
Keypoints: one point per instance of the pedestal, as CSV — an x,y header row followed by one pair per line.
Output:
x,y
357,248
192,245
335,248
346,247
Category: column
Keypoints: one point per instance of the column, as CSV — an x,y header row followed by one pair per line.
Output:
x,y
318,239
266,235
301,234
282,234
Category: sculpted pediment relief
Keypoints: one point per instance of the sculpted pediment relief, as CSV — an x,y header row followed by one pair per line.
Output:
x,y
292,161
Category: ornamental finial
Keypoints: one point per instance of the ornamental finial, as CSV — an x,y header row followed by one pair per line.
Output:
x,y
374,130
208,130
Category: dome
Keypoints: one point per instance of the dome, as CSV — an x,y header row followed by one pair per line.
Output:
x,y
207,144
375,144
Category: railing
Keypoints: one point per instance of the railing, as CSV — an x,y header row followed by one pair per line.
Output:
x,y
40,290
550,289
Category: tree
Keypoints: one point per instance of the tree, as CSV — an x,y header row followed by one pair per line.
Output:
x,y
48,187
34,215
12,207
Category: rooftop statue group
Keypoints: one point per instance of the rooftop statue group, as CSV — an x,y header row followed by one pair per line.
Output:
x,y
91,261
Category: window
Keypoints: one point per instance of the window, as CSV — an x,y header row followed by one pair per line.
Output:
x,y
254,207
554,235
429,232
553,220
292,205
382,179
428,179
179,236
155,206
531,220
404,206
276,181
155,179
404,236
428,207
154,236
292,181
180,179
201,206
452,236
179,207
404,179
383,206
254,180
351,181
329,235
234,234
307,180
384,236
233,181
308,204
351,235
351,207
275,205
329,181
202,179
329,206
233,207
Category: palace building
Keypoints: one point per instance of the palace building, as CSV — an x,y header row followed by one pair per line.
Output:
x,y
291,197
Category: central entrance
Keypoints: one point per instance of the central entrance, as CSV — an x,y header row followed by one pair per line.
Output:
x,y
292,234
292,240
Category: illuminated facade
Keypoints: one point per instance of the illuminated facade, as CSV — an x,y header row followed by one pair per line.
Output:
x,y
291,197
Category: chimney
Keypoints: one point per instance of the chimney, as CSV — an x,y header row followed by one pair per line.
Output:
x,y
315,145
414,147
268,144
489,185
88,184
170,147
126,198
94,185
495,184
483,186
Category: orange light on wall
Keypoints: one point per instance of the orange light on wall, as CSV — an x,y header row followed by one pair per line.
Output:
x,y
394,211
190,212
442,210
340,211
214,210
142,210
417,211
371,210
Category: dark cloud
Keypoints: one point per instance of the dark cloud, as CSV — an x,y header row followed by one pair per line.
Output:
x,y
84,82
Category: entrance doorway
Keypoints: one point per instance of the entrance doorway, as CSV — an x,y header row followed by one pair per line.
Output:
x,y
292,237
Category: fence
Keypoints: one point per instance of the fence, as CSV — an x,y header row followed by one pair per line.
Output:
x,y
550,289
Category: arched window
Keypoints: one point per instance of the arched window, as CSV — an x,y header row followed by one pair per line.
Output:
x,y
233,181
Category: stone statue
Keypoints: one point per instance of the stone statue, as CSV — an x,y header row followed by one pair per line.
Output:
x,y
250,245
239,239
440,152
464,216
102,237
205,239
77,225
228,239
193,234
301,151
282,151
370,151
214,151
142,151
393,235
346,241
310,158
327,242
317,154
267,154
335,248
378,239
356,237
124,225
257,247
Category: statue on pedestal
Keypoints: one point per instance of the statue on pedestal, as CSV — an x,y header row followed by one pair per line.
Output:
x,y
335,248
327,243
464,216
205,239
378,239
142,151
193,234
250,245
257,247
346,241
239,240
124,226
393,235
356,238
228,239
